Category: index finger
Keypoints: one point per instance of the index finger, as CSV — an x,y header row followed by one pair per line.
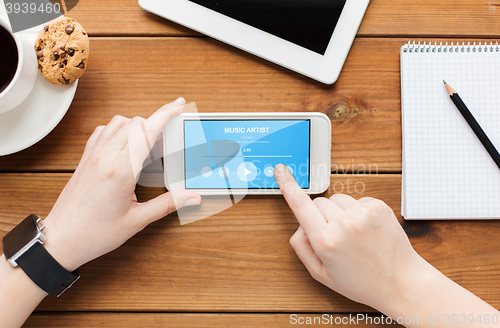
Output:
x,y
142,137
156,122
309,216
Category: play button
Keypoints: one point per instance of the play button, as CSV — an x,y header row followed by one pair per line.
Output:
x,y
247,171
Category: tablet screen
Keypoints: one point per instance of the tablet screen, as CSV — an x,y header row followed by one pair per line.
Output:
x,y
307,23
231,154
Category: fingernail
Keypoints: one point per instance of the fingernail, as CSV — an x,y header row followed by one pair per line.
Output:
x,y
193,201
280,169
179,101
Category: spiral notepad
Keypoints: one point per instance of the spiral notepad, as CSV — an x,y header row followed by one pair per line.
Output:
x,y
447,173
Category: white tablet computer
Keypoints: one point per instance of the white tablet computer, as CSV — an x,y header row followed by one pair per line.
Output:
x,y
311,37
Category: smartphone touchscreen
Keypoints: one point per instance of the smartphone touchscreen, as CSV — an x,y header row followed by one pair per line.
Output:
x,y
242,154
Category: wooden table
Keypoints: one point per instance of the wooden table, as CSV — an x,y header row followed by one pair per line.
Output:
x,y
237,269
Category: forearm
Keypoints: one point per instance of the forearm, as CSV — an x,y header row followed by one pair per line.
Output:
x,y
19,295
97,211
429,299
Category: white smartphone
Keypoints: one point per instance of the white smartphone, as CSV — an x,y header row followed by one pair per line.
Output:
x,y
221,153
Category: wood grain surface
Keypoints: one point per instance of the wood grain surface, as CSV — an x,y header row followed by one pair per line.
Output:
x,y
198,320
240,259
364,104
419,18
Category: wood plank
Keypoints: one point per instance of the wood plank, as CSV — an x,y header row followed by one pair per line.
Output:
x,y
364,104
467,18
430,18
135,76
234,262
178,320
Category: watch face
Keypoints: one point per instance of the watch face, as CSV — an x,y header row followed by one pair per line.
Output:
x,y
21,235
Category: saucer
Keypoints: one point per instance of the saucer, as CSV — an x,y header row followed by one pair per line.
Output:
x,y
38,114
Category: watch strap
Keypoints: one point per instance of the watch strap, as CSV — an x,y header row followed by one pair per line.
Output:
x,y
45,271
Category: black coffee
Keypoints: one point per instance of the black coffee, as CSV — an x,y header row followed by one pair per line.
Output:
x,y
9,58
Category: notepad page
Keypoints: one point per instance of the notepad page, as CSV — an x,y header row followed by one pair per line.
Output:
x,y
447,172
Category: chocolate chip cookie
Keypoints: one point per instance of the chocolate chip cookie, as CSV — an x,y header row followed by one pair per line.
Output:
x,y
62,49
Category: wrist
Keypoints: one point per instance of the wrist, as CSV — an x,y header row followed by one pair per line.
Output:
x,y
59,247
19,295
409,285
14,277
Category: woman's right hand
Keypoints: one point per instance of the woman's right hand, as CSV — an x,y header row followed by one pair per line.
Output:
x,y
355,247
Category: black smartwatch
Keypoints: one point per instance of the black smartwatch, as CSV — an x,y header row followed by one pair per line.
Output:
x,y
23,247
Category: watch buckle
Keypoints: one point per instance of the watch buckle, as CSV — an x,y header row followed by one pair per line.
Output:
x,y
69,286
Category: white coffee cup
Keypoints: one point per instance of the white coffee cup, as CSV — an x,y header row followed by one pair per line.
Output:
x,y
27,69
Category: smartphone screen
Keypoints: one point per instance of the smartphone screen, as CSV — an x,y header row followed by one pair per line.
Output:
x,y
237,154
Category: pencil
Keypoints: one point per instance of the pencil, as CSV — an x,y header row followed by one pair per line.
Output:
x,y
473,124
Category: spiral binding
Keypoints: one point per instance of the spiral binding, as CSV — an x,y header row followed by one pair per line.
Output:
x,y
418,47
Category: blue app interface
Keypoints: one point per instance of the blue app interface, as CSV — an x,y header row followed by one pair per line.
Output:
x,y
235,154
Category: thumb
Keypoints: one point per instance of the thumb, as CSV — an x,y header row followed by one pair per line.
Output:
x,y
167,203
